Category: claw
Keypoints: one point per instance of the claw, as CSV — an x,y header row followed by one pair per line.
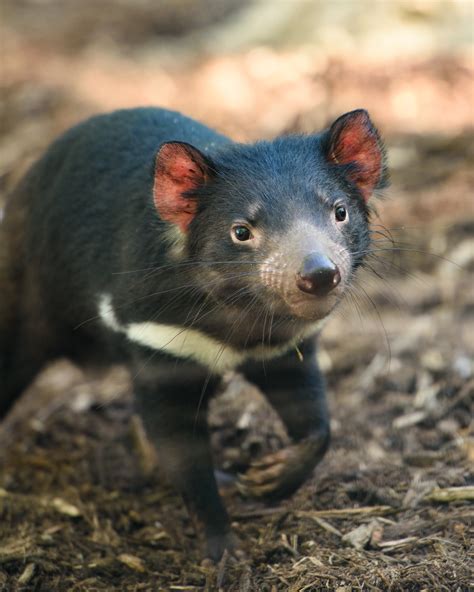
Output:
x,y
242,488
270,459
270,474
265,475
279,473
255,490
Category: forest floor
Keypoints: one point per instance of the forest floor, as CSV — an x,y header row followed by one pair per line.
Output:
x,y
391,505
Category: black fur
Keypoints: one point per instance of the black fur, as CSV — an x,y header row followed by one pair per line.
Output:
x,y
83,223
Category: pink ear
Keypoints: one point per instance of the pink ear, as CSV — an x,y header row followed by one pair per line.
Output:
x,y
179,168
354,140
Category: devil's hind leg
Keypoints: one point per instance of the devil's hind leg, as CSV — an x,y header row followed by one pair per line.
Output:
x,y
8,318
25,342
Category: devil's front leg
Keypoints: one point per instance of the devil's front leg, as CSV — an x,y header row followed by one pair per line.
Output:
x,y
294,386
172,400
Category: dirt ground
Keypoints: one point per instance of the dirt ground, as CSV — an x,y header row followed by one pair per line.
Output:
x,y
391,505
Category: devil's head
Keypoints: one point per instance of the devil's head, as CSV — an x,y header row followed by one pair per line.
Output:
x,y
282,223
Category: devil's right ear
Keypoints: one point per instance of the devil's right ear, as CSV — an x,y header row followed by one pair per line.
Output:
x,y
354,141
179,169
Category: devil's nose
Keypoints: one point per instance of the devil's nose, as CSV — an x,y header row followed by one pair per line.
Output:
x,y
318,275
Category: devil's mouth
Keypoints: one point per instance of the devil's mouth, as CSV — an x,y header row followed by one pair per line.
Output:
x,y
299,308
311,313
279,304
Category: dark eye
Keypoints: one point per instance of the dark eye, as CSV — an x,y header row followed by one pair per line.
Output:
x,y
241,233
341,213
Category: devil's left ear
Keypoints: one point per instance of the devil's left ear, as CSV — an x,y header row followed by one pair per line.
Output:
x,y
179,169
354,141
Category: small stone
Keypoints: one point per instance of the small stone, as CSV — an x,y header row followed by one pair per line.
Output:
x,y
410,419
463,366
27,574
132,562
64,507
448,426
426,398
433,360
362,535
82,402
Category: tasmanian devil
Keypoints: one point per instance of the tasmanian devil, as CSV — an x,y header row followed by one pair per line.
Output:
x,y
144,237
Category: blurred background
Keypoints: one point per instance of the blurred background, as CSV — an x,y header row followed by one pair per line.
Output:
x,y
399,361
252,68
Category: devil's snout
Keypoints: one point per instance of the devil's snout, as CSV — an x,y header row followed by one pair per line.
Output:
x,y
318,275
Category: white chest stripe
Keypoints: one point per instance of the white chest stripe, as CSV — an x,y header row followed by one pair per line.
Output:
x,y
191,343
186,343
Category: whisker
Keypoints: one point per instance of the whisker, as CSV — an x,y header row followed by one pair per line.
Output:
x,y
218,356
364,293
178,264
153,354
191,287
395,249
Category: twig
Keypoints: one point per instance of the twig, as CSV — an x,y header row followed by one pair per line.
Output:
x,y
341,513
221,569
451,494
324,524
389,545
